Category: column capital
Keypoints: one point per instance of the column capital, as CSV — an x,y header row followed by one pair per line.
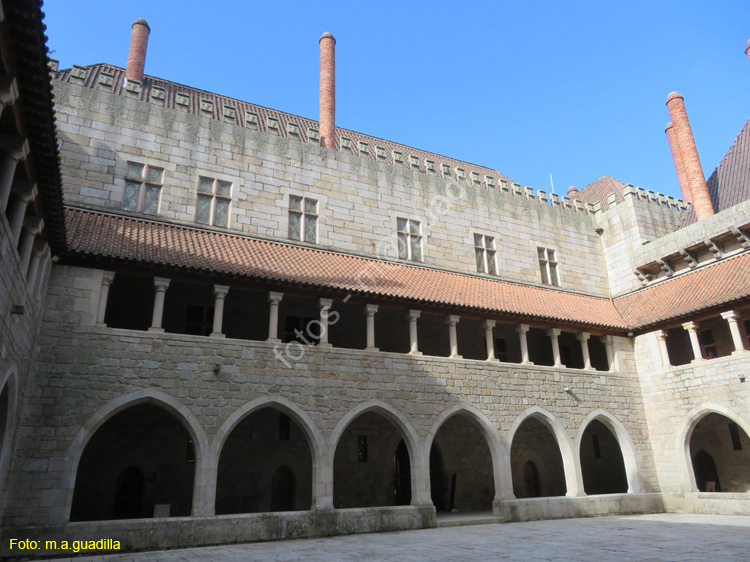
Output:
x,y
325,303
412,315
220,291
274,297
553,332
161,283
522,328
14,147
661,334
371,309
8,89
108,277
33,225
730,315
452,319
583,336
24,191
690,326
488,324
606,339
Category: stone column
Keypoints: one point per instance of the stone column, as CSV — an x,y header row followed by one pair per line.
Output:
x,y
732,317
325,307
451,321
12,150
8,91
661,335
31,227
160,287
370,310
23,193
274,299
45,264
522,329
411,316
583,337
107,278
609,348
489,341
38,249
553,334
692,328
220,293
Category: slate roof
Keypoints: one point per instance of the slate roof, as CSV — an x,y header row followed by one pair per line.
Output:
x,y
730,182
96,72
598,191
134,239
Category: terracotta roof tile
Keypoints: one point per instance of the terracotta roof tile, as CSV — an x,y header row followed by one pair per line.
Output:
x,y
721,283
126,238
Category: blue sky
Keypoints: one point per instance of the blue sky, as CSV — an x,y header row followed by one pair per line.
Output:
x,y
572,89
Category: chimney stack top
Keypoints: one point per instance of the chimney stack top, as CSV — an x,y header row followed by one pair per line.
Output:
x,y
141,21
327,35
673,96
572,190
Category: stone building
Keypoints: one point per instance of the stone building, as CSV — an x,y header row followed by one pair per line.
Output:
x,y
222,322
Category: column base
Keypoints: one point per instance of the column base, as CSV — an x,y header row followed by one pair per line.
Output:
x,y
415,353
493,360
372,349
526,363
217,335
699,360
324,346
273,340
456,356
101,324
157,330
740,352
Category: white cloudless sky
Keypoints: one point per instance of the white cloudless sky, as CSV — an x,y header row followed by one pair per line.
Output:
x,y
529,88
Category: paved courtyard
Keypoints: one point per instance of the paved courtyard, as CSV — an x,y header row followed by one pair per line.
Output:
x,y
663,537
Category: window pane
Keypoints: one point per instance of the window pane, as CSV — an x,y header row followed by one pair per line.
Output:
x,y
489,242
491,265
551,255
154,174
553,274
151,206
295,203
414,227
223,189
401,225
135,170
311,224
541,253
132,191
222,213
295,226
403,249
479,253
203,210
478,239
311,206
543,268
416,248
205,185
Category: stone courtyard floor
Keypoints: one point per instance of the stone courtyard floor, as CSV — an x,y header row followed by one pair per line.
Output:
x,y
663,537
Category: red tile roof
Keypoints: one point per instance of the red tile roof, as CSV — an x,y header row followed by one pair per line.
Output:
x,y
721,283
598,191
126,238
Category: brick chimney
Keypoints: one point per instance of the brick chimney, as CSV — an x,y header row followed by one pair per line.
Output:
x,y
327,91
683,136
678,165
572,190
747,49
137,52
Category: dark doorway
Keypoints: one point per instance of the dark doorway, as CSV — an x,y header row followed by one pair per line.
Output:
x,y
402,475
437,479
706,475
602,465
282,489
534,440
531,480
129,490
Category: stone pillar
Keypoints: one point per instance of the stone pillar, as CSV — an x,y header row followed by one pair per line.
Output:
x,y
692,328
44,264
160,287
23,193
273,317
553,334
325,307
370,310
31,227
661,336
583,337
521,329
489,341
411,316
608,342
38,249
12,150
8,91
451,321
220,293
732,317
107,278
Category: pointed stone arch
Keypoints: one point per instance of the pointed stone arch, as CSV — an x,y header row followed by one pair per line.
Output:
x,y
144,396
9,396
499,449
573,480
631,459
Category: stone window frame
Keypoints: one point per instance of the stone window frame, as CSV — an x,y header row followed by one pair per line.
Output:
x,y
548,260
145,182
409,230
482,243
307,209
215,197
